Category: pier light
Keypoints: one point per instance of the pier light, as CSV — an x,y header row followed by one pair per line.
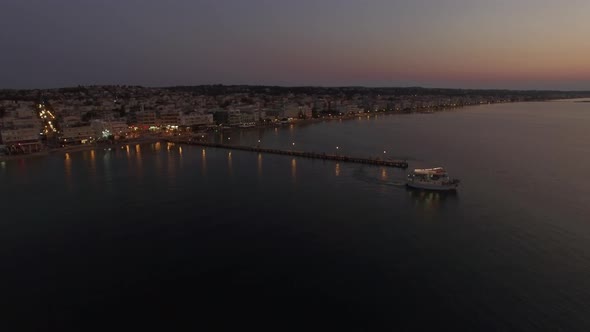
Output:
x,y
384,152
293,143
337,147
258,141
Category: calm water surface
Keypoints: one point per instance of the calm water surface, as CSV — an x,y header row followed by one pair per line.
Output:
x,y
166,235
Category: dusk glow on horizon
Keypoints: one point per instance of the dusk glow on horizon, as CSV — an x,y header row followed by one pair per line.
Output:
x,y
519,44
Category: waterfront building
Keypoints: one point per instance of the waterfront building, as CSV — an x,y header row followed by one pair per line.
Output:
x,y
21,118
22,140
20,128
146,119
104,129
273,114
77,135
230,117
234,117
195,119
169,118
250,118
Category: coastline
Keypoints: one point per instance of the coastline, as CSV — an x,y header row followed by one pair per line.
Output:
x,y
298,122
302,122
25,156
77,148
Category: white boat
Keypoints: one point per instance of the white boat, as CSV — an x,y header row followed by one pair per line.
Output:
x,y
431,179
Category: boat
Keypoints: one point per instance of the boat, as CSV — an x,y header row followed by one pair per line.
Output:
x,y
432,179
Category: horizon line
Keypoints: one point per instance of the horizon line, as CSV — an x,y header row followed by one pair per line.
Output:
x,y
296,86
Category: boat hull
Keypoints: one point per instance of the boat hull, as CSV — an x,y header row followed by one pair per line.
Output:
x,y
433,187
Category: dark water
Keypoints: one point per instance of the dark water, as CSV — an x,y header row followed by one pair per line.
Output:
x,y
165,236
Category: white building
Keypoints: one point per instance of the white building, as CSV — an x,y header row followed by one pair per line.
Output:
x,y
195,119
169,118
234,117
75,135
22,135
22,140
20,118
118,128
247,117
146,118
295,110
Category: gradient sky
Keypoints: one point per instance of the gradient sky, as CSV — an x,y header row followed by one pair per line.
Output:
x,y
517,44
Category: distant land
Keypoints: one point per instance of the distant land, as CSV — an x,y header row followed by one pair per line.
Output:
x,y
33,121
219,89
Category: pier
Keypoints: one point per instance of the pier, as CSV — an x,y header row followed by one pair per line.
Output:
x,y
303,154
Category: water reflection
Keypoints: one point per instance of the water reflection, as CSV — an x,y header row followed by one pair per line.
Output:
x,y
159,161
431,200
204,162
337,170
107,169
171,167
93,163
128,152
259,165
229,164
384,174
68,170
180,160
294,170
139,160
158,146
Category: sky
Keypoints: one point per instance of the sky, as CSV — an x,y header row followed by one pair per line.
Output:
x,y
514,44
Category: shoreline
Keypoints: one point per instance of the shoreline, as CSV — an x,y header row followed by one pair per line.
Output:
x,y
299,122
77,148
43,153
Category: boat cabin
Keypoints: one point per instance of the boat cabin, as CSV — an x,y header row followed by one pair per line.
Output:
x,y
432,174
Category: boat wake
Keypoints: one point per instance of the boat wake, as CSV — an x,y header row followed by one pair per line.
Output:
x,y
361,174
397,183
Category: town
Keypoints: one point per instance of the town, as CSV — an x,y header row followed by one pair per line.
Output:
x,y
35,121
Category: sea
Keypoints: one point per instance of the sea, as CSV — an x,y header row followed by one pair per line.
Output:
x,y
178,237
